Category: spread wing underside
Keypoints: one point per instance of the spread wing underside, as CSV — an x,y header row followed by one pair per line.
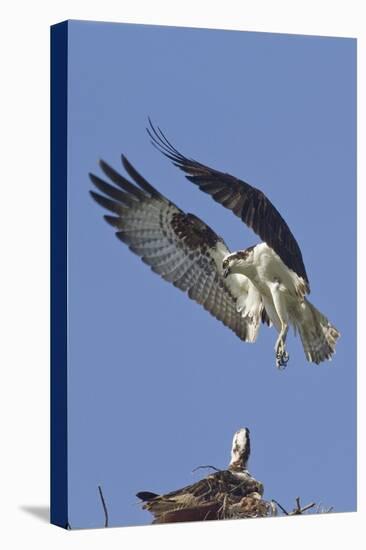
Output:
x,y
177,246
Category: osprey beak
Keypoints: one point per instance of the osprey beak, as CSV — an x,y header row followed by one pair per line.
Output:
x,y
226,272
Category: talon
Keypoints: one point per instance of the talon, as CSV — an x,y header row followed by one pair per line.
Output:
x,y
282,360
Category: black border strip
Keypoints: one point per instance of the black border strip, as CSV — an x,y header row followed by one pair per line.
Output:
x,y
59,454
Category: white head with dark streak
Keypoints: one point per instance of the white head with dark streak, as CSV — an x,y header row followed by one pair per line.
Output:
x,y
240,450
238,262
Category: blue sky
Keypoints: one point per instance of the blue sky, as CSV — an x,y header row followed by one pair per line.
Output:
x,y
157,387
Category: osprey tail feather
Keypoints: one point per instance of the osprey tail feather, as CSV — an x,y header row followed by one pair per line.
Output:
x,y
317,334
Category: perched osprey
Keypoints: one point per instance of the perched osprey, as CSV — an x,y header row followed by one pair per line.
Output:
x,y
263,283
224,494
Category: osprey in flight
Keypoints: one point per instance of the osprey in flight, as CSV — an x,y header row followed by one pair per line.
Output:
x,y
263,283
231,493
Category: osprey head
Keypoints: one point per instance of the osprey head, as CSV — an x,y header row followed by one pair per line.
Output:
x,y
240,450
237,262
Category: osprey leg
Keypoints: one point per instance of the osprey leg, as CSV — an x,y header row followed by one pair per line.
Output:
x,y
282,356
279,302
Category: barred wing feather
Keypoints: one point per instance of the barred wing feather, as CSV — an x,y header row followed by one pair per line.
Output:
x,y
179,247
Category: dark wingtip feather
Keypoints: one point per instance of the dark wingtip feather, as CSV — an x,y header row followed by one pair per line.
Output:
x,y
94,196
114,221
93,178
146,495
162,144
125,161
104,166
139,179
108,204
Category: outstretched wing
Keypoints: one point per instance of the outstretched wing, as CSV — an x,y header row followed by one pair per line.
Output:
x,y
246,202
179,247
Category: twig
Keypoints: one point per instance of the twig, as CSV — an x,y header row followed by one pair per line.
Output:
x,y
323,510
282,508
307,507
104,506
207,466
296,511
299,510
